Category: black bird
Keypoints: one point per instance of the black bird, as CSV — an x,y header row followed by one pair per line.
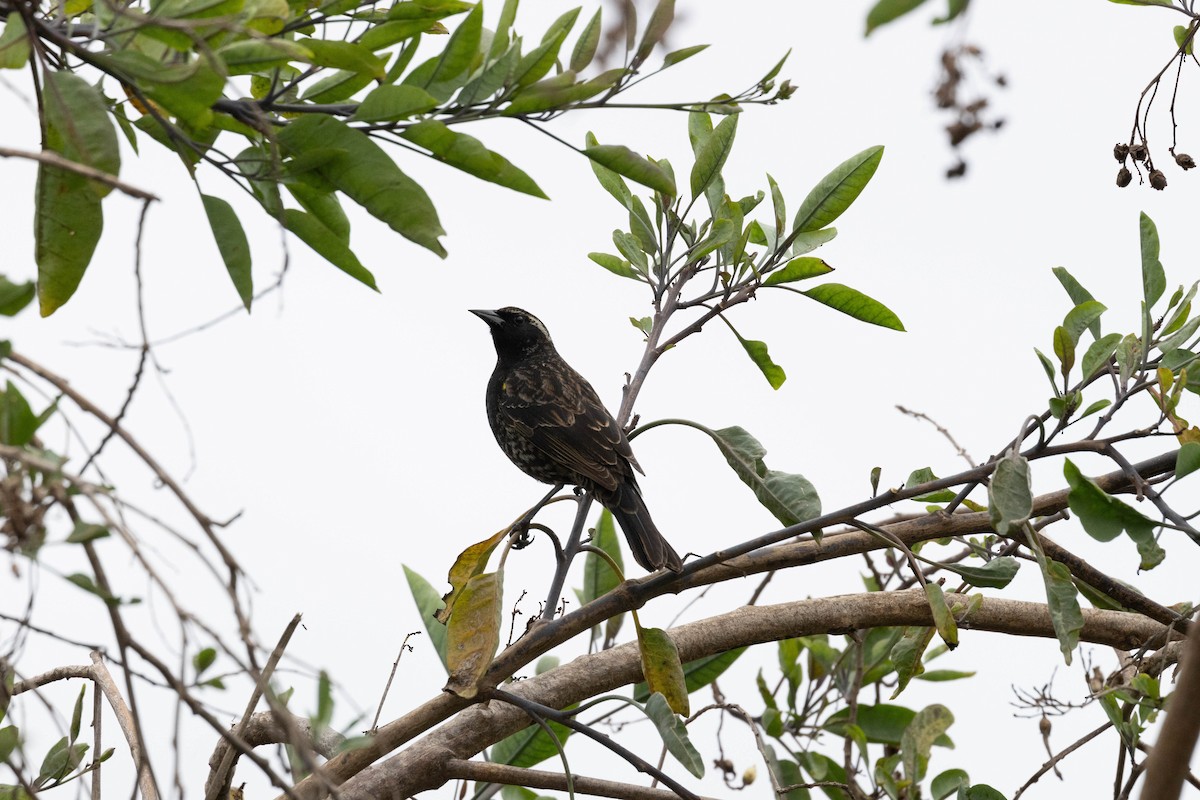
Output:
x,y
550,422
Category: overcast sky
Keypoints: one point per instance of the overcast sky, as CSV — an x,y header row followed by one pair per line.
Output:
x,y
348,428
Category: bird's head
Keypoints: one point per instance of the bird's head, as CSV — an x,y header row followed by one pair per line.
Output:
x,y
516,333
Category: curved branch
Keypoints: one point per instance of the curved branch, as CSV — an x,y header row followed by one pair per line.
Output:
x,y
424,765
635,593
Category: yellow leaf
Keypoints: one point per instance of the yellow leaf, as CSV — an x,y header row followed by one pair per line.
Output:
x,y
473,634
470,562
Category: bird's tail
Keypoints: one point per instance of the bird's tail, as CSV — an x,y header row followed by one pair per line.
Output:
x,y
648,546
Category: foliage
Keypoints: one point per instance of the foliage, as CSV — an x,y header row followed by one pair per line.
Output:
x,y
828,708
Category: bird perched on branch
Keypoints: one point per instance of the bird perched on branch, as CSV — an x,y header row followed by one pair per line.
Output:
x,y
550,422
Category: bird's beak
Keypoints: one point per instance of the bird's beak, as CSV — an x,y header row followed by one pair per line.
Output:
x,y
490,317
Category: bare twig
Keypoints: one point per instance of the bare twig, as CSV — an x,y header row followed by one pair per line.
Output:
x,y
52,159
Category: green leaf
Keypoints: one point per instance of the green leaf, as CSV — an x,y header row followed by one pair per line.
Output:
x,y
67,226
1064,349
324,715
943,675
623,161
1154,280
251,56
906,656
660,19
361,170
810,240
609,180
948,783
662,668
14,44
18,423
327,244
349,56
468,154
324,205
855,304
882,724
1188,460
87,532
598,577
674,734
232,244
885,11
943,620
1077,293
428,603
440,74
1104,516
614,264
675,56
203,660
837,190
9,738
789,497
995,574
711,154
15,296
798,269
473,633
78,125
1081,317
1063,601
758,354
1097,356
389,103
585,47
77,715
929,723
530,746
500,40
1010,494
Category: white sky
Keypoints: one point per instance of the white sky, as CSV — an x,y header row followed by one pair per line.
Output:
x,y
348,428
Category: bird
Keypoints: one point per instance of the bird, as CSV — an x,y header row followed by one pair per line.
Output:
x,y
550,422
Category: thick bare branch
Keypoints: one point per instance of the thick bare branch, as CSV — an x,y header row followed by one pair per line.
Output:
x,y
423,766
635,593
540,779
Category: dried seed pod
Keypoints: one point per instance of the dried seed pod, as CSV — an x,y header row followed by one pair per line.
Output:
x,y
1139,152
1120,151
1158,180
1185,161
1124,176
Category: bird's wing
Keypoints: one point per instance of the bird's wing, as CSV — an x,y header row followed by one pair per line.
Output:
x,y
561,415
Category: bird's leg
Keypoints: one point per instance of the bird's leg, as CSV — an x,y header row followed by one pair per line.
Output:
x,y
520,528
568,555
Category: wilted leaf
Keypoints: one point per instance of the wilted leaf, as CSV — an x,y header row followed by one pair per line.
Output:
x,y
473,633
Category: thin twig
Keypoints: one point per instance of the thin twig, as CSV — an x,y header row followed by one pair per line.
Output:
x,y
387,687
53,159
1061,755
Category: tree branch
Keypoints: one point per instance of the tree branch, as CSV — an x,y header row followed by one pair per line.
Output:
x,y
423,766
486,772
635,593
